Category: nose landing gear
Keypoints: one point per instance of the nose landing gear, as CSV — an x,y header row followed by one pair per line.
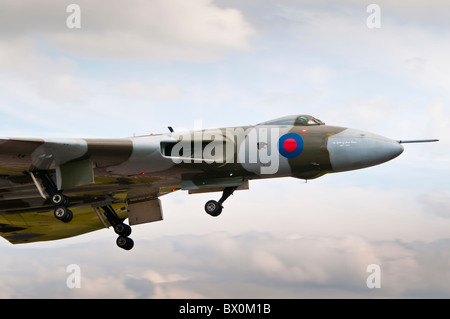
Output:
x,y
213,207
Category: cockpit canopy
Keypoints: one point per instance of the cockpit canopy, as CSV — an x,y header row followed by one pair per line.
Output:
x,y
297,120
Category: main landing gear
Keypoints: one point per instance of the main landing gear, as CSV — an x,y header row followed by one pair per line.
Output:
x,y
213,207
121,229
45,184
61,201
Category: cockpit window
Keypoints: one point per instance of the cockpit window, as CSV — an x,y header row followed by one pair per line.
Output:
x,y
308,120
301,120
287,120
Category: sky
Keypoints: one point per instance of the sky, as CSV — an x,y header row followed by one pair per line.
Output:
x,y
136,67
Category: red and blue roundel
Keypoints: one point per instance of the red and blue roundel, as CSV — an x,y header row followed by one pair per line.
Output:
x,y
290,145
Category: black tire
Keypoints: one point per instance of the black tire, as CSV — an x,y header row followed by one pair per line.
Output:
x,y
122,230
69,216
60,199
213,208
63,213
125,242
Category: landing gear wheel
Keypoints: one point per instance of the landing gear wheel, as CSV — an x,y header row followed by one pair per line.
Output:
x,y
63,213
60,199
213,208
125,242
44,180
122,229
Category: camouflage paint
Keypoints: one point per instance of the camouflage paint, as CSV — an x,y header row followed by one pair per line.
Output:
x,y
147,167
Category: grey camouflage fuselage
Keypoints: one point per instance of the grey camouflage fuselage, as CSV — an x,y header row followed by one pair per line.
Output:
x,y
326,149
99,172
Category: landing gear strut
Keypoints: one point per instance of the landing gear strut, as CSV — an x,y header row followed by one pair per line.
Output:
x,y
121,229
214,208
57,197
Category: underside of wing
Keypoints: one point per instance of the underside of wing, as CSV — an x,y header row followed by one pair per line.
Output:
x,y
41,225
26,217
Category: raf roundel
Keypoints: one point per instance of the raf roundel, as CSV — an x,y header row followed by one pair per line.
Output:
x,y
290,145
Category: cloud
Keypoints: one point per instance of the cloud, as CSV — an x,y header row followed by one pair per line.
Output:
x,y
47,71
37,78
439,123
135,89
164,30
220,265
436,203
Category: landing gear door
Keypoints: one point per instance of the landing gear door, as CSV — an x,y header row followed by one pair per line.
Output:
x,y
144,211
74,174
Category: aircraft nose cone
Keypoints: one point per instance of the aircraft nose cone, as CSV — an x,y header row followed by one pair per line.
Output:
x,y
354,149
389,149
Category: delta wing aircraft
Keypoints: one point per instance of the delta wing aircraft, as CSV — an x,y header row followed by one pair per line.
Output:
x,y
61,187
